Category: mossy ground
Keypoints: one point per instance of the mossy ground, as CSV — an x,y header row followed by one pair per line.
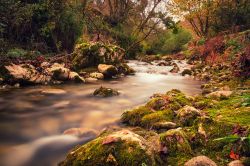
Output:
x,y
234,110
219,117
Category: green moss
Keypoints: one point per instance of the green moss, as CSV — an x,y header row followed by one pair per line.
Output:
x,y
92,54
176,142
172,100
178,99
118,153
159,116
122,147
178,160
232,110
105,92
133,117
157,103
187,115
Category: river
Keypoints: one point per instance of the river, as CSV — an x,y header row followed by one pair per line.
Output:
x,y
32,120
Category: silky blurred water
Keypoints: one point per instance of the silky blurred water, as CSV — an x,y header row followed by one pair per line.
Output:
x,y
32,122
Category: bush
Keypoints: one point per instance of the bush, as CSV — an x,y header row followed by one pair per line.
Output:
x,y
168,42
57,24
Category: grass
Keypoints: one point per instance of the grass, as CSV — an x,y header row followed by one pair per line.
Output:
x,y
234,110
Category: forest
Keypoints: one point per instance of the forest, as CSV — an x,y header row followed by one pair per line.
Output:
x,y
125,82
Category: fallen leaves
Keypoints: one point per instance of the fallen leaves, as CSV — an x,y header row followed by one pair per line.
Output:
x,y
233,155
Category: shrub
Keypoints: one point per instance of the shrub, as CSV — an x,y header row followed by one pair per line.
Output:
x,y
215,45
242,64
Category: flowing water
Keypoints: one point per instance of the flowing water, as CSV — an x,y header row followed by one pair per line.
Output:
x,y
33,119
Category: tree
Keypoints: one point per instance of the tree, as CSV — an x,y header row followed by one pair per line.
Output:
x,y
45,24
196,12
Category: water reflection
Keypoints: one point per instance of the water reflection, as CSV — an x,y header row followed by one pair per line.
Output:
x,y
28,116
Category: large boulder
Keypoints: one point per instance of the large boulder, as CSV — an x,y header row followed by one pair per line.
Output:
x,y
25,74
122,147
200,161
107,70
187,115
94,53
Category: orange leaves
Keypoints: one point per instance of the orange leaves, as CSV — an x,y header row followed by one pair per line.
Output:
x,y
234,156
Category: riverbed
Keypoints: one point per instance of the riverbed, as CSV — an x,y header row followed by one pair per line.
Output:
x,y
33,119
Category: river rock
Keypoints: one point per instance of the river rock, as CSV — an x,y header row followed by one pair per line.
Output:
x,y
219,94
97,75
107,70
186,72
60,73
73,76
236,163
123,68
175,141
25,74
105,92
164,125
122,147
1,80
200,161
175,69
187,115
167,58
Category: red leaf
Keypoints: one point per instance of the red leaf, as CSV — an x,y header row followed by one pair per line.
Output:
x,y
234,155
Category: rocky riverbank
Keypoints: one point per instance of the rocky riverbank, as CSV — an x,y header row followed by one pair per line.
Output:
x,y
176,129
88,63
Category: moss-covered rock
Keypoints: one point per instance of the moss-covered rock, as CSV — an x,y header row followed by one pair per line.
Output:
x,y
160,116
105,92
172,100
187,115
92,54
134,117
158,103
175,141
119,148
123,68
